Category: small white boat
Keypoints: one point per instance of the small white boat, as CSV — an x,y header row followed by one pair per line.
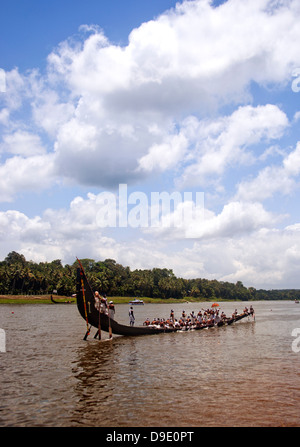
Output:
x,y
135,301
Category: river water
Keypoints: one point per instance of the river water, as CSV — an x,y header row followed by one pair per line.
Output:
x,y
247,374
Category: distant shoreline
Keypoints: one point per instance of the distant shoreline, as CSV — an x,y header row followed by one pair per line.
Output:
x,y
46,299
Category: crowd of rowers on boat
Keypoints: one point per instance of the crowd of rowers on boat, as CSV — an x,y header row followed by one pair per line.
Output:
x,y
204,318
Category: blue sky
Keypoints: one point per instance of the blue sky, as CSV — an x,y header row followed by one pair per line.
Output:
x,y
162,96
29,30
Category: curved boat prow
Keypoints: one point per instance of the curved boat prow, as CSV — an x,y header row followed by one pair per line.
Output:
x,y
87,309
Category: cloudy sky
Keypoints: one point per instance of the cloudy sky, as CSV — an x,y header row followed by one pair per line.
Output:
x,y
197,96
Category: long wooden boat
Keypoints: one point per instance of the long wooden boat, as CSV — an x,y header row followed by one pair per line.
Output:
x,y
102,322
61,302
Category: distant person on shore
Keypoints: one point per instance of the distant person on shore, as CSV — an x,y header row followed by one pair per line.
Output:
x,y
131,317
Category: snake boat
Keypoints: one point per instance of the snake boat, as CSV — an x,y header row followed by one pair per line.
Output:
x,y
86,304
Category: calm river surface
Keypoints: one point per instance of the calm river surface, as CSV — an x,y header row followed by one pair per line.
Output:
x,y
246,374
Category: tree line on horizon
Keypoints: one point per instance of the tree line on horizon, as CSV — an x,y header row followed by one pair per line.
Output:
x,y
19,276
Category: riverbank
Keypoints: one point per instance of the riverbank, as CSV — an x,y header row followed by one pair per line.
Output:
x,y
34,299
46,299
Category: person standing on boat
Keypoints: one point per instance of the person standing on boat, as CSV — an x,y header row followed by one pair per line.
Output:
x,y
97,300
104,304
131,317
111,310
217,317
193,318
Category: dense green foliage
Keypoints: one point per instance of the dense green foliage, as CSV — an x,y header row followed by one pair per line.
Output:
x,y
18,276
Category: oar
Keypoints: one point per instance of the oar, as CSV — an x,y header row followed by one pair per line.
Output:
x,y
84,305
87,333
98,333
109,327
